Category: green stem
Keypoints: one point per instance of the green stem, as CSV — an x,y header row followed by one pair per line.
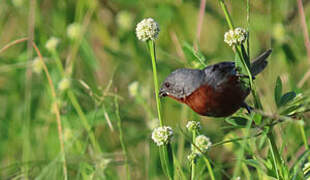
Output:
x,y
151,46
304,138
121,137
241,152
76,105
82,116
227,15
167,165
257,101
164,159
248,27
58,63
193,161
275,153
209,167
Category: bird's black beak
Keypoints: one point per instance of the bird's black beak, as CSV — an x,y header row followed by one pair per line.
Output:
x,y
162,94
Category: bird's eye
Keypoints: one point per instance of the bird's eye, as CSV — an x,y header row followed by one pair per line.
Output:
x,y
167,84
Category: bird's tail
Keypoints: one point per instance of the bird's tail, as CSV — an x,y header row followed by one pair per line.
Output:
x,y
260,62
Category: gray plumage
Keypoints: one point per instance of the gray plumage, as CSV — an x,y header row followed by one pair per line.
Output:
x,y
183,82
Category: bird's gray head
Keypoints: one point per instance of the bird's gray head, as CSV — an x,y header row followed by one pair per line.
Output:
x,y
181,83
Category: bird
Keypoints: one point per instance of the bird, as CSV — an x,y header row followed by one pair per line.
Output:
x,y
215,91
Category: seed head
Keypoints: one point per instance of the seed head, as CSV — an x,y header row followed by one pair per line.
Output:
x,y
51,44
147,29
192,156
193,125
64,84
133,88
37,65
162,135
74,31
203,143
124,20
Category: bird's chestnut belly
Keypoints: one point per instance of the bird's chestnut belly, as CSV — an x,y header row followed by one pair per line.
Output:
x,y
221,101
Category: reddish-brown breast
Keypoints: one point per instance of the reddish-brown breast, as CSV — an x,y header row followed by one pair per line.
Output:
x,y
219,101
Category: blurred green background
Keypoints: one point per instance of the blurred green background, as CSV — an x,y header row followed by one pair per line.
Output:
x,y
108,59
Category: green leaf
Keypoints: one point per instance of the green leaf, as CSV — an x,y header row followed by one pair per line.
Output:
x,y
257,118
88,55
291,110
236,121
245,56
297,165
278,91
286,98
166,160
253,163
239,65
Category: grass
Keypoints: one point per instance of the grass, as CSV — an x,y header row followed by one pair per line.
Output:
x,y
98,129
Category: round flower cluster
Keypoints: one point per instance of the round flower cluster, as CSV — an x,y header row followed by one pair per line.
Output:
x,y
193,126
74,30
37,65
203,143
133,88
162,135
235,37
147,29
64,84
51,44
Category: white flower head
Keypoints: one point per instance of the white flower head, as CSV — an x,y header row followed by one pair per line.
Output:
x,y
162,135
203,143
240,34
74,31
192,156
51,44
147,29
37,65
193,125
64,84
133,88
235,37
124,20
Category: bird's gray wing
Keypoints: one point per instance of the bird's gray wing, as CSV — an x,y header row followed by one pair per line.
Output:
x,y
219,73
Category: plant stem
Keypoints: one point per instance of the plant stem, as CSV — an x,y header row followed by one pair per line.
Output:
x,y
248,27
209,167
76,104
304,138
58,63
167,165
275,152
257,101
241,152
227,15
82,116
193,161
164,159
151,46
57,112
121,137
